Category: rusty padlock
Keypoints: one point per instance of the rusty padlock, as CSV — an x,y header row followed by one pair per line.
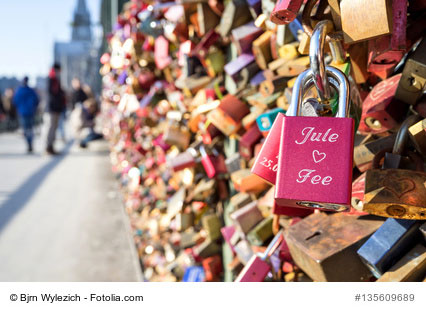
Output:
x,y
396,193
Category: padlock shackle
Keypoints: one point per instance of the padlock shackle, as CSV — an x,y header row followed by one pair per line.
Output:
x,y
413,156
316,58
402,135
305,80
203,151
273,245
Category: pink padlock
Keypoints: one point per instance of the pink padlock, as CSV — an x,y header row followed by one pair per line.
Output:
x,y
315,160
258,267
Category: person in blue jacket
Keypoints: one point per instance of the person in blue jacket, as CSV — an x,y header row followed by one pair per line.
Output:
x,y
26,102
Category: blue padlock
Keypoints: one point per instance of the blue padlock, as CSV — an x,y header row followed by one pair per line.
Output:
x,y
388,244
265,120
194,274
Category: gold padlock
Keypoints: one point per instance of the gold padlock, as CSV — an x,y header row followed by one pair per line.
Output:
x,y
396,193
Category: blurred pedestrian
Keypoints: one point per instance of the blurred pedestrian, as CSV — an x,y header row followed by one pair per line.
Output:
x,y
56,105
26,102
89,110
9,109
78,95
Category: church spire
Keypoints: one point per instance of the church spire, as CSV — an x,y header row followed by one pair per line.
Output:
x,y
81,30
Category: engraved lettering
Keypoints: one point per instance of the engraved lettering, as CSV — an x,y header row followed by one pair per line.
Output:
x,y
309,134
318,136
326,180
324,138
316,179
304,176
333,138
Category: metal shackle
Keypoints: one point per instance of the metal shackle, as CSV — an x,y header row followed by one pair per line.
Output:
x,y
305,81
316,57
402,135
273,245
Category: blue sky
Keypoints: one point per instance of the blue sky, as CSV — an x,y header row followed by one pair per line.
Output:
x,y
28,29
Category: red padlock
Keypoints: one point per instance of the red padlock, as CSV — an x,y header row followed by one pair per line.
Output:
x,y
357,196
381,111
266,163
248,140
315,162
385,52
285,11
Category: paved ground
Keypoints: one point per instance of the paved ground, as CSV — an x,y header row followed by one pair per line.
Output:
x,y
61,218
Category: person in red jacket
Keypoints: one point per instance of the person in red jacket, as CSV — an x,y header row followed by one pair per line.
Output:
x,y
56,105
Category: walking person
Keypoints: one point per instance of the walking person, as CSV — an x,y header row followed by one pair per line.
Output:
x,y
56,105
26,102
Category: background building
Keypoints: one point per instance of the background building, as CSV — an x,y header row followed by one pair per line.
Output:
x,y
79,57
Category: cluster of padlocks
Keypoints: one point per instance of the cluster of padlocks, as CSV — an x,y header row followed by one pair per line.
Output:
x,y
257,140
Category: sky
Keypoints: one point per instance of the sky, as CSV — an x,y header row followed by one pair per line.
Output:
x,y
28,29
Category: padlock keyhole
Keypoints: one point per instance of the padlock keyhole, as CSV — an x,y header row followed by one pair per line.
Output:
x,y
317,233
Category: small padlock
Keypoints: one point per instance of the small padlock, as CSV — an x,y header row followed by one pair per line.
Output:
x,y
396,193
413,80
207,19
285,11
212,224
261,232
312,179
248,140
233,163
236,13
381,111
247,217
244,35
227,233
257,267
207,249
228,115
243,251
234,67
183,160
240,200
265,120
245,181
261,48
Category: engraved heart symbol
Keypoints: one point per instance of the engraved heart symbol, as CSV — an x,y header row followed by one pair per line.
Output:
x,y
318,157
399,187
